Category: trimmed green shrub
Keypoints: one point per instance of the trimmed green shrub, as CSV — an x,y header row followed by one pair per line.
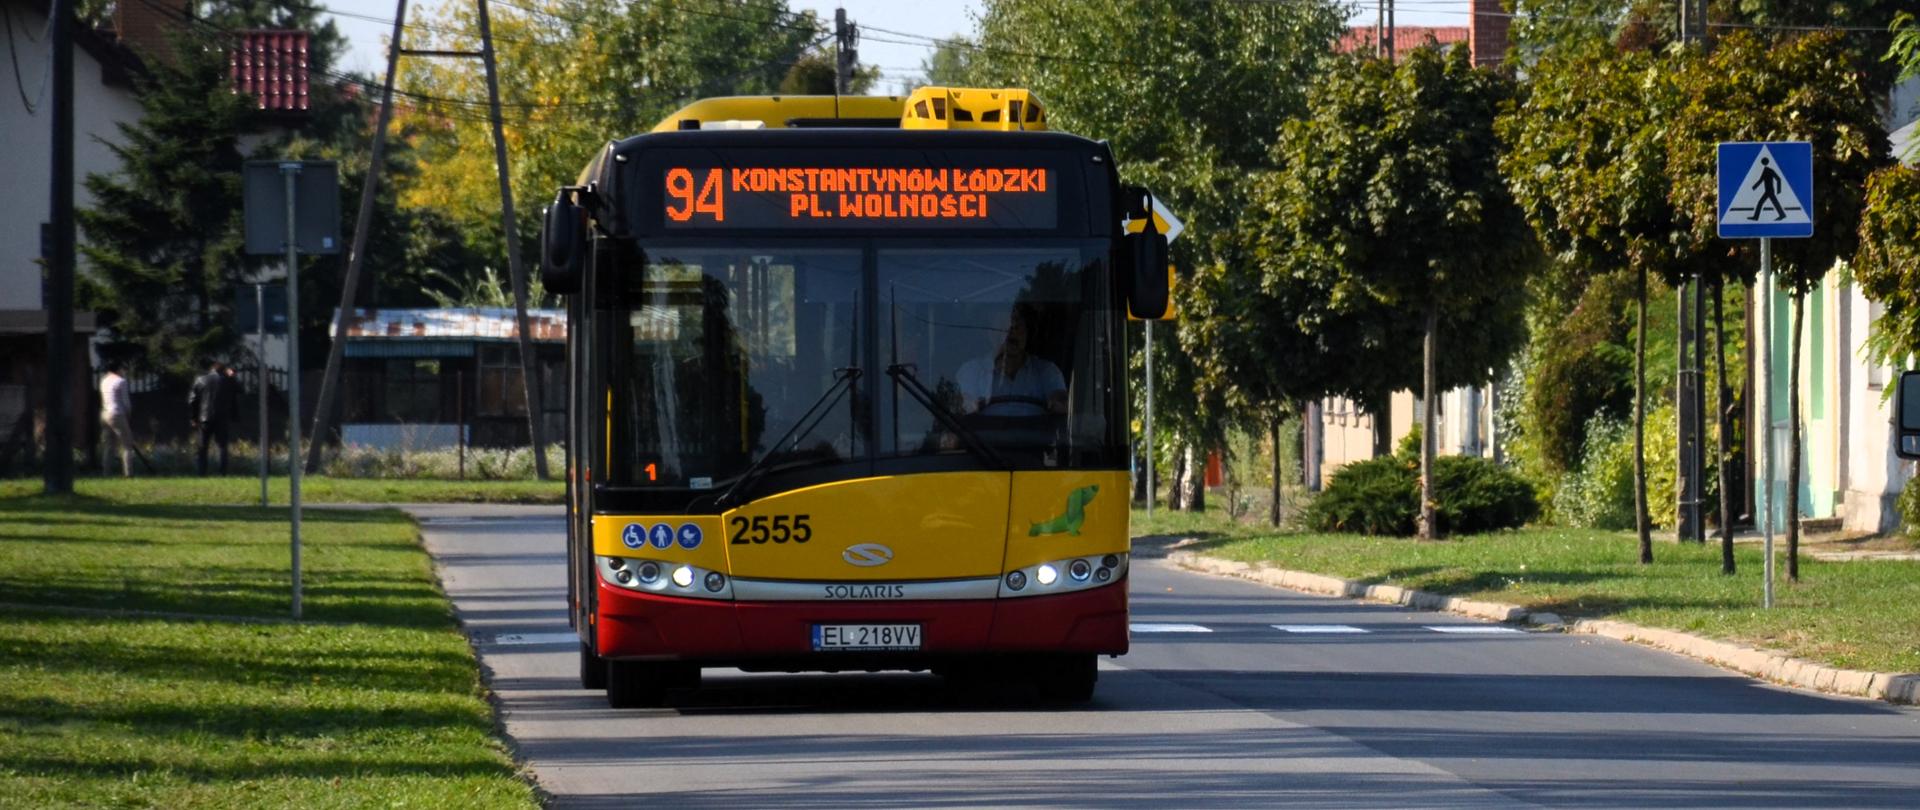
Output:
x,y
1382,496
1376,496
1477,495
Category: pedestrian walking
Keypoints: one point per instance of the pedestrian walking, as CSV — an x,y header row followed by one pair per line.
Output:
x,y
116,415
211,408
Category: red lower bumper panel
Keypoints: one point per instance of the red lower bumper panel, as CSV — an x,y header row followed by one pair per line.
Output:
x,y
646,626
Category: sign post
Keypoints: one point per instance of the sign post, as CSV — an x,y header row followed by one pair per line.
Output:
x,y
260,378
263,312
1165,222
290,177
309,201
1766,193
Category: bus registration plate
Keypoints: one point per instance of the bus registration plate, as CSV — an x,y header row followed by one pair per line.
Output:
x,y
836,637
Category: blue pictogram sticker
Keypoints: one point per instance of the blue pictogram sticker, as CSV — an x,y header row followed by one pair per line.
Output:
x,y
634,536
689,536
662,535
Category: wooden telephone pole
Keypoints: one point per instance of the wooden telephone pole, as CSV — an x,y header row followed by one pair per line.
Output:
x,y
529,366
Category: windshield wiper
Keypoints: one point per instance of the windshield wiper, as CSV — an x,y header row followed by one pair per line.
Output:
x,y
903,376
842,383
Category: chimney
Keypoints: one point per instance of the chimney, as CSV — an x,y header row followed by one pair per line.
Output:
x,y
1487,35
145,26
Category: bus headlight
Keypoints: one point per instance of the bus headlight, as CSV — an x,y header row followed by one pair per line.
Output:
x,y
1081,573
664,578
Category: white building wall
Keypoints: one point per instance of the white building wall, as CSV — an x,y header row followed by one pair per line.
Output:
x,y
25,168
1875,476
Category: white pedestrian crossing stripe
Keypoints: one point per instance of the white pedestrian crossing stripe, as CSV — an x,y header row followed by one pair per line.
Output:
x,y
1328,629
516,639
1297,629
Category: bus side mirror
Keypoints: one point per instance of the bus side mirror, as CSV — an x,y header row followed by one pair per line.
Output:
x,y
1906,409
563,245
1146,280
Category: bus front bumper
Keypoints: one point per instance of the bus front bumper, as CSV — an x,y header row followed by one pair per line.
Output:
x,y
639,626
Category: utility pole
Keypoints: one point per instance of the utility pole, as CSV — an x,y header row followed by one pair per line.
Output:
x,y
1391,55
845,55
1380,28
57,476
529,365
363,223
356,257
1690,366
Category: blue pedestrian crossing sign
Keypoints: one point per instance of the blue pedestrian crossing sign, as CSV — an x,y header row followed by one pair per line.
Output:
x,y
1766,190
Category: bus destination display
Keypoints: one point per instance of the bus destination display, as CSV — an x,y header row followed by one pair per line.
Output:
x,y
810,197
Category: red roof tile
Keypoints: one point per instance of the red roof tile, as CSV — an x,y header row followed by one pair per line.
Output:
x,y
272,67
1361,38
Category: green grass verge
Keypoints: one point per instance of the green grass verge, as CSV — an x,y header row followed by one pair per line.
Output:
x,y
377,703
1853,614
313,490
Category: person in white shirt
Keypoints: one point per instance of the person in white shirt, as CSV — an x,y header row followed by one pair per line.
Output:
x,y
1013,382
116,414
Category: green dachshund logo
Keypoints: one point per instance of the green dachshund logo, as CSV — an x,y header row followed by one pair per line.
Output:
x,y
1070,520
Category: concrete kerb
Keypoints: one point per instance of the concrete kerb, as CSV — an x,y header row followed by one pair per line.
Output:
x,y
1759,663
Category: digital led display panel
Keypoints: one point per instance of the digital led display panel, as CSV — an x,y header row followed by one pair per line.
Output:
x,y
804,190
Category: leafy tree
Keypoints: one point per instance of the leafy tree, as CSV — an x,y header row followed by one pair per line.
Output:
x,y
1390,200
1818,87
951,64
574,74
1587,159
814,75
1190,94
163,237
1888,264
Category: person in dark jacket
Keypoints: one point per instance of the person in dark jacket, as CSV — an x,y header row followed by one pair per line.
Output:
x,y
211,406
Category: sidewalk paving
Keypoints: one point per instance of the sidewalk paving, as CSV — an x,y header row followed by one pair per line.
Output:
x,y
1759,663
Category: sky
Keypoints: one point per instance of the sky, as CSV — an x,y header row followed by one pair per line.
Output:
x,y
922,18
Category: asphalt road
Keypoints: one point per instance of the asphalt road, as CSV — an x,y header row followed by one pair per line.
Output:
x,y
1234,695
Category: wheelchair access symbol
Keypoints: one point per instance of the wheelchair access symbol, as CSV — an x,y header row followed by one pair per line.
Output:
x,y
634,536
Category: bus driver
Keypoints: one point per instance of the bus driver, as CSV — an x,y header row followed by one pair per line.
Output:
x,y
1013,382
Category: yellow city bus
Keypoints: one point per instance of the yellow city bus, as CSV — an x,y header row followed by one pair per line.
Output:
x,y
847,392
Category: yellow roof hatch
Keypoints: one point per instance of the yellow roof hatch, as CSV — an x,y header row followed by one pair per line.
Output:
x,y
1006,109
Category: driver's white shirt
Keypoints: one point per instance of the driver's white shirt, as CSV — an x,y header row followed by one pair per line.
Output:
x,y
1036,380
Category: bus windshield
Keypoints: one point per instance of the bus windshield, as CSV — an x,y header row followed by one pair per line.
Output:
x,y
722,350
